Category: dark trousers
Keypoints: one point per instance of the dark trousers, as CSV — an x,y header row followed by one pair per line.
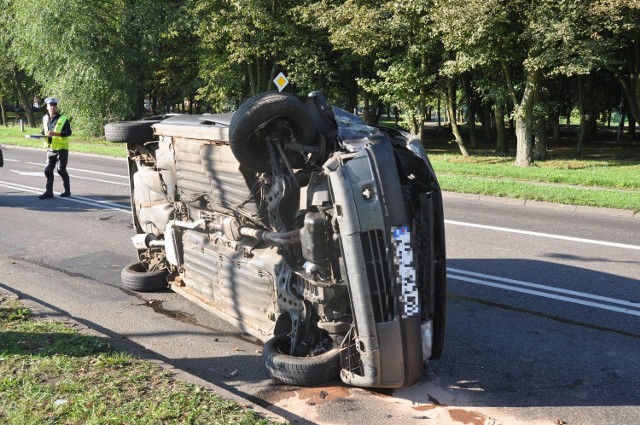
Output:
x,y
57,160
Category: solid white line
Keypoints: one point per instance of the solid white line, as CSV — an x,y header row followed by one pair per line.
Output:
x,y
40,174
546,288
544,235
106,205
98,180
546,295
29,173
20,187
120,176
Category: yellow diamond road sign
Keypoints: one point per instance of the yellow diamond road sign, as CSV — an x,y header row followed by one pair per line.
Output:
x,y
280,81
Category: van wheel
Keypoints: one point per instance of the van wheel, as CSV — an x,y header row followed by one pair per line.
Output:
x,y
136,277
129,131
270,116
302,371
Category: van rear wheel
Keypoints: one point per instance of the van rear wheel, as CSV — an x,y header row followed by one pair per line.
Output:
x,y
136,277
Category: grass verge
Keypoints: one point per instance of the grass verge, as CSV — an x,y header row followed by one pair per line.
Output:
x,y
49,373
606,174
77,143
601,177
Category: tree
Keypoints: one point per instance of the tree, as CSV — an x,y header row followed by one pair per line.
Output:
x,y
14,79
390,49
614,34
522,40
243,46
94,56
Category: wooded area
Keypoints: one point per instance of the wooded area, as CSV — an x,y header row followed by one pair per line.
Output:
x,y
524,61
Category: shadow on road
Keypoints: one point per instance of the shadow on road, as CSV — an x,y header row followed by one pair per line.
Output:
x,y
508,349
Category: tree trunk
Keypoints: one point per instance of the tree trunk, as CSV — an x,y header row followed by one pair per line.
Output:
x,y
451,100
554,115
582,135
501,140
17,81
621,125
471,113
524,121
540,147
3,114
252,79
632,129
366,112
629,77
488,119
554,119
540,140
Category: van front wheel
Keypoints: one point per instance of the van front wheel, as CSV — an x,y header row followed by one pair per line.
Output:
x,y
298,370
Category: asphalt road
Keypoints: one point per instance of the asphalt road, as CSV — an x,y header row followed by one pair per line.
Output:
x,y
543,306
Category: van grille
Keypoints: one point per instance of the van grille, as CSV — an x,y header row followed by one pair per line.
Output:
x,y
377,268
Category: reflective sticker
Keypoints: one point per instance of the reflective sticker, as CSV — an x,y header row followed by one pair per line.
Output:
x,y
405,271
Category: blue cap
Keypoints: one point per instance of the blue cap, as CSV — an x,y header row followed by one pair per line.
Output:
x,y
51,100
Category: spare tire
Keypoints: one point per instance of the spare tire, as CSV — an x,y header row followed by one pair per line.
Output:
x,y
130,131
273,116
303,371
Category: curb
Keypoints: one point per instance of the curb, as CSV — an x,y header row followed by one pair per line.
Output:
x,y
541,204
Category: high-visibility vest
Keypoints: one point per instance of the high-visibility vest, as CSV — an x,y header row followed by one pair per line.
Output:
x,y
57,142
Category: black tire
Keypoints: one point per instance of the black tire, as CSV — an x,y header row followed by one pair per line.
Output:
x,y
1,159
129,131
136,277
280,111
301,371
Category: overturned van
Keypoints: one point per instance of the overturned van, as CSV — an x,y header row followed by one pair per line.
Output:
x,y
300,224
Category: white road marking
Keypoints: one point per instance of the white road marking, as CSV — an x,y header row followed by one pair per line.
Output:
x,y
29,173
98,180
634,311
75,176
538,286
544,235
105,205
120,176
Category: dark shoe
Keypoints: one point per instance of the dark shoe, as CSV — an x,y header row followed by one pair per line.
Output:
x,y
46,195
65,194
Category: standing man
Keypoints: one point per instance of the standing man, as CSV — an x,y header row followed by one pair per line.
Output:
x,y
58,130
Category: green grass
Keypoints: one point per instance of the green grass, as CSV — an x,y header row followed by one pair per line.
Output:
x,y
49,373
606,174
603,176
77,143
528,191
620,174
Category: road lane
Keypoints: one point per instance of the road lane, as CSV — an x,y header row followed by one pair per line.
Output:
x,y
532,356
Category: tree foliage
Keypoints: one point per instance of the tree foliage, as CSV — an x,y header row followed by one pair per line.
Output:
x,y
527,60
